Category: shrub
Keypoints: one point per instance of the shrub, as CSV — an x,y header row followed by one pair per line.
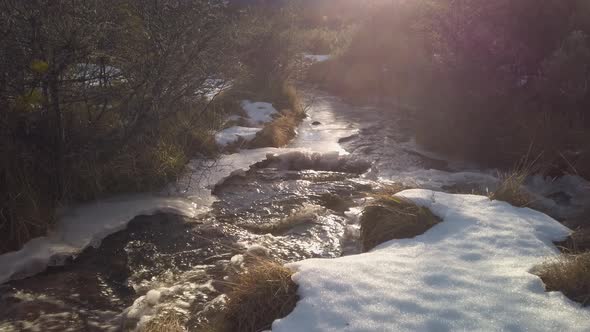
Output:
x,y
569,274
393,218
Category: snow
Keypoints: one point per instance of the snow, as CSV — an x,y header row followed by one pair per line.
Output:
x,y
259,112
212,87
234,134
317,57
468,273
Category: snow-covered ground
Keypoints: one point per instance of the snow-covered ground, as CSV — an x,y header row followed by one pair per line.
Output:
x,y
259,112
234,134
470,272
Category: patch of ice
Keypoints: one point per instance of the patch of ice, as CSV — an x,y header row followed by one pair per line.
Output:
x,y
153,297
237,260
177,297
317,57
575,189
437,180
233,134
259,112
467,273
258,250
353,215
453,163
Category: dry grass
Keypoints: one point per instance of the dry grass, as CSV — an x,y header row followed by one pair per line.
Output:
x,y
385,192
282,129
393,218
277,133
577,242
294,102
170,322
511,184
510,189
258,296
569,274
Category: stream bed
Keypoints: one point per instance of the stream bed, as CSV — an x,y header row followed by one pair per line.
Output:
x,y
292,203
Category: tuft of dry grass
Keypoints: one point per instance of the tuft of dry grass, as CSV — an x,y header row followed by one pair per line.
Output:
x,y
169,322
511,184
277,133
569,274
293,100
393,218
258,296
385,193
282,129
510,189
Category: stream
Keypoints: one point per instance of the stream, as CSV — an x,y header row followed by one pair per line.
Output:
x,y
289,204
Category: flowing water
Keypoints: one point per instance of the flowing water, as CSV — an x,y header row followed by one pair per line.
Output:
x,y
292,203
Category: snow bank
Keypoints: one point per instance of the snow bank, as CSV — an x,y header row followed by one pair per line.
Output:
x,y
84,226
468,273
259,112
233,134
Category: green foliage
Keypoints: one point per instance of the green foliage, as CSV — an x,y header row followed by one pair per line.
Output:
x,y
29,102
39,66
